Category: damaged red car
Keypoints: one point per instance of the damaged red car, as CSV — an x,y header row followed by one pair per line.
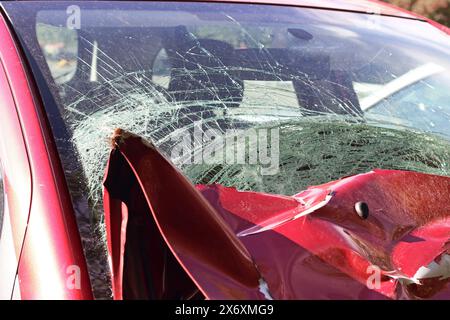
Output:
x,y
223,150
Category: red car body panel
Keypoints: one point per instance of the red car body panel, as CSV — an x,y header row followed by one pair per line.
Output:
x,y
51,256
180,231
312,245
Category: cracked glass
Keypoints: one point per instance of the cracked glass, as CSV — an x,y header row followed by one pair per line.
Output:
x,y
345,93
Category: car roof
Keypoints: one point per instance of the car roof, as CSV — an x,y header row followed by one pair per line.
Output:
x,y
364,6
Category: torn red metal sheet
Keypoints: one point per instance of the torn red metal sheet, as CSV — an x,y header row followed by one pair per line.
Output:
x,y
199,239
380,235
407,228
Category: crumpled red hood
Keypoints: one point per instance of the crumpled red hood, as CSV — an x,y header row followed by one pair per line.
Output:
x,y
382,234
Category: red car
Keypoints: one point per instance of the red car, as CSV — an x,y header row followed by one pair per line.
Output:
x,y
223,150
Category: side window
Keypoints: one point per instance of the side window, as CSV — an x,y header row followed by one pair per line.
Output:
x,y
60,48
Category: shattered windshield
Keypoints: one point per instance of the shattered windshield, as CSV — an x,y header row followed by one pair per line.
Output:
x,y
257,97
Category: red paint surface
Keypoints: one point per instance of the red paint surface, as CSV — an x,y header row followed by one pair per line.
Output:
x,y
408,227
323,255
196,235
